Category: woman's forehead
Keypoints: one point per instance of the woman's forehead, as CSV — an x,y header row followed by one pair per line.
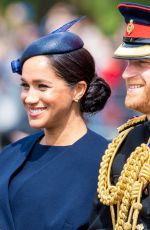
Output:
x,y
36,63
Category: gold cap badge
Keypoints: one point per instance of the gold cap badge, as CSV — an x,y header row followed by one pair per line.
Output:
x,y
130,27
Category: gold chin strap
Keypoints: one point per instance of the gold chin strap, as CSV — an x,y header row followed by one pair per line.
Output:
x,y
126,194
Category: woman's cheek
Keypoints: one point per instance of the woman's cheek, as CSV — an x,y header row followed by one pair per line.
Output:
x,y
23,96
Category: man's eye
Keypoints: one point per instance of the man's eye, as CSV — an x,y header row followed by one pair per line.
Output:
x,y
145,63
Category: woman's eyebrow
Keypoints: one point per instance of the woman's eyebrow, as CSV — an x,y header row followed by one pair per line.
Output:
x,y
38,81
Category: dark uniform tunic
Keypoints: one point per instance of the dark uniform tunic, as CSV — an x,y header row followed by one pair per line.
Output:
x,y
101,218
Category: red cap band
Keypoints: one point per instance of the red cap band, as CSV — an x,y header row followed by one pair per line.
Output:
x,y
134,6
137,31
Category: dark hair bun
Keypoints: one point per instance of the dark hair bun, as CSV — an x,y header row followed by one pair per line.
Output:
x,y
96,96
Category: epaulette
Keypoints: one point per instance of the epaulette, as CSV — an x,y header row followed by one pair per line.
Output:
x,y
131,122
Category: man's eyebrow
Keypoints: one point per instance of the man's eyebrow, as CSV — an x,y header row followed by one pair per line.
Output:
x,y
144,61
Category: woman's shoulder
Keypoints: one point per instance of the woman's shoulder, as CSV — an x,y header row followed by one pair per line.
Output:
x,y
97,138
92,144
22,141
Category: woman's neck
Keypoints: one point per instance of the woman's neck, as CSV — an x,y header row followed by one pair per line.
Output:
x,y
65,134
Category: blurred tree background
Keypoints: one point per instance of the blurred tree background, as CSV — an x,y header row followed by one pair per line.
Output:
x,y
102,12
21,22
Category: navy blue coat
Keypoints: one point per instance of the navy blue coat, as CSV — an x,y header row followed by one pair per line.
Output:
x,y
58,196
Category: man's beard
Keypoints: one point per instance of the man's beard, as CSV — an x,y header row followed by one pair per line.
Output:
x,y
140,104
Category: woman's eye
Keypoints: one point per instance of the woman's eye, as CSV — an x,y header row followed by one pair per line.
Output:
x,y
42,86
24,85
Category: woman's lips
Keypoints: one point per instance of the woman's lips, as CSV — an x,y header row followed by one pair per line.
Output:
x,y
36,111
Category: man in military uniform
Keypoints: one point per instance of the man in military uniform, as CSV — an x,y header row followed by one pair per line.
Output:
x,y
124,178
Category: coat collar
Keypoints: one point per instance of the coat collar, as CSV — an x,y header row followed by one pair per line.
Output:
x,y
10,161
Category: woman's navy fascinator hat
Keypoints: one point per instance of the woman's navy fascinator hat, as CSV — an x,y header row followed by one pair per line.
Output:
x,y
57,42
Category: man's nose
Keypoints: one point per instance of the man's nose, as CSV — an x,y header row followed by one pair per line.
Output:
x,y
130,71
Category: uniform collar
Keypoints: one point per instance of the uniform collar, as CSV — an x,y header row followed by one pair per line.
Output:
x,y
147,125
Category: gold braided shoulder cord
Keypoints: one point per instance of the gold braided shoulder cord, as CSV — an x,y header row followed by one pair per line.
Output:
x,y
135,176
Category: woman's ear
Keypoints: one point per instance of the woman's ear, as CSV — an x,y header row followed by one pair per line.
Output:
x,y
79,90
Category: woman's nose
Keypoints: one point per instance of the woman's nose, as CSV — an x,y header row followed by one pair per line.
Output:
x,y
31,97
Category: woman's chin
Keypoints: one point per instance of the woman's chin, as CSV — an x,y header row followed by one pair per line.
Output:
x,y
35,125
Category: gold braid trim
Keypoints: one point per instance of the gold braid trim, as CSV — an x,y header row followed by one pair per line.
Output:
x,y
135,176
131,122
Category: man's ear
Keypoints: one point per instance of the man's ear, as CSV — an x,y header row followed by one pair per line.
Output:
x,y
79,90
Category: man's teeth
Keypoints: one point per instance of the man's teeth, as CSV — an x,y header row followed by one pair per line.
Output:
x,y
134,86
37,110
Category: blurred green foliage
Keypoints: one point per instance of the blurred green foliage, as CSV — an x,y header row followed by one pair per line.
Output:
x,y
102,12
